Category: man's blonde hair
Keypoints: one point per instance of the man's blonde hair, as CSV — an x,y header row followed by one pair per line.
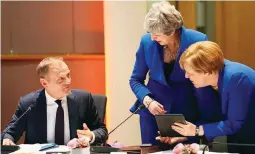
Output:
x,y
203,57
43,67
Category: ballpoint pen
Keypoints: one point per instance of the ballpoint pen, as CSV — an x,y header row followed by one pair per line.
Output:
x,y
48,146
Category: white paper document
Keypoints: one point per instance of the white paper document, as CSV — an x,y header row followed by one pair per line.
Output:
x,y
34,149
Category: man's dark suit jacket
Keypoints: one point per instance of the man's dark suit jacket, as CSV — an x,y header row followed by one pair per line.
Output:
x,y
81,109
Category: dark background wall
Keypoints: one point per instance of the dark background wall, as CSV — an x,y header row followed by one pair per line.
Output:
x,y
52,27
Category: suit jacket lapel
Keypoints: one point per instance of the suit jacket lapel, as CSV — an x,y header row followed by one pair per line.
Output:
x,y
157,65
158,60
41,114
178,74
73,116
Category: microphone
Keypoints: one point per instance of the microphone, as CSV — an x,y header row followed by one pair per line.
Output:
x,y
138,109
234,144
11,125
105,146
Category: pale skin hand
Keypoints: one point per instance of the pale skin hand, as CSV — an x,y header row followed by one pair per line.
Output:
x,y
187,130
154,107
8,142
83,142
171,140
84,133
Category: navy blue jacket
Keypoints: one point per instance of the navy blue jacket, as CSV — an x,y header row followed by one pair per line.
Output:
x,y
81,109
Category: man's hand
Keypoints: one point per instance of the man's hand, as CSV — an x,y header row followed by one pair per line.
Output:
x,y
7,141
171,140
186,130
83,142
85,132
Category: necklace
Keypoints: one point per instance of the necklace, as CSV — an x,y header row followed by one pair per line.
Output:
x,y
170,55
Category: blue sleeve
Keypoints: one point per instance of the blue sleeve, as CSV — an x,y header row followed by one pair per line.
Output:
x,y
206,38
239,96
139,75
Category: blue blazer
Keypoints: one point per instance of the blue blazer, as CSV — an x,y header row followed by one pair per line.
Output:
x,y
81,109
178,97
236,85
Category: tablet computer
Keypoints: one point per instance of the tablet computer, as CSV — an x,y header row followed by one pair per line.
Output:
x,y
165,121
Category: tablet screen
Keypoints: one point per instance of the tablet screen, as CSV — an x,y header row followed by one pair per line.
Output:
x,y
164,122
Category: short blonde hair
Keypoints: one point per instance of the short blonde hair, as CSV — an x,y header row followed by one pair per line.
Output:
x,y
43,67
203,57
163,18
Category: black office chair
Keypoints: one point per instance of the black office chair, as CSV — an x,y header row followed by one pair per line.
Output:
x,y
100,102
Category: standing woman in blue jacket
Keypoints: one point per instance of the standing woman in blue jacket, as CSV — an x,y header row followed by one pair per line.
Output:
x,y
167,91
234,83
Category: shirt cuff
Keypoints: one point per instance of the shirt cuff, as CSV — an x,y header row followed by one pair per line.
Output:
x,y
8,136
93,138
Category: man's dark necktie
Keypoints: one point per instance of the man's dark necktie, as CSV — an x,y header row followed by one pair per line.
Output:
x,y
59,126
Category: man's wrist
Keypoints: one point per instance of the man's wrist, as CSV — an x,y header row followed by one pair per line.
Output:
x,y
8,136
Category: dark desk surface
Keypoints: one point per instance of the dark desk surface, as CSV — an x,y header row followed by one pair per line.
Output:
x,y
142,150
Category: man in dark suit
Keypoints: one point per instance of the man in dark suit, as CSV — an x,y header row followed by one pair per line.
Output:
x,y
58,114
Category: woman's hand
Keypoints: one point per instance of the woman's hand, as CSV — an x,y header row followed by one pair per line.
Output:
x,y
171,140
186,130
153,106
156,108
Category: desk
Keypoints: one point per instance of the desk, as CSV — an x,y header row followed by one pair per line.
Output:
x,y
157,150
142,150
34,149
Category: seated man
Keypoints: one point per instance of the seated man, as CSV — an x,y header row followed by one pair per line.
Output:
x,y
57,112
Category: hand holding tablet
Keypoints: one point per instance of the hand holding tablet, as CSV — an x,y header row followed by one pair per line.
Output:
x,y
165,121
